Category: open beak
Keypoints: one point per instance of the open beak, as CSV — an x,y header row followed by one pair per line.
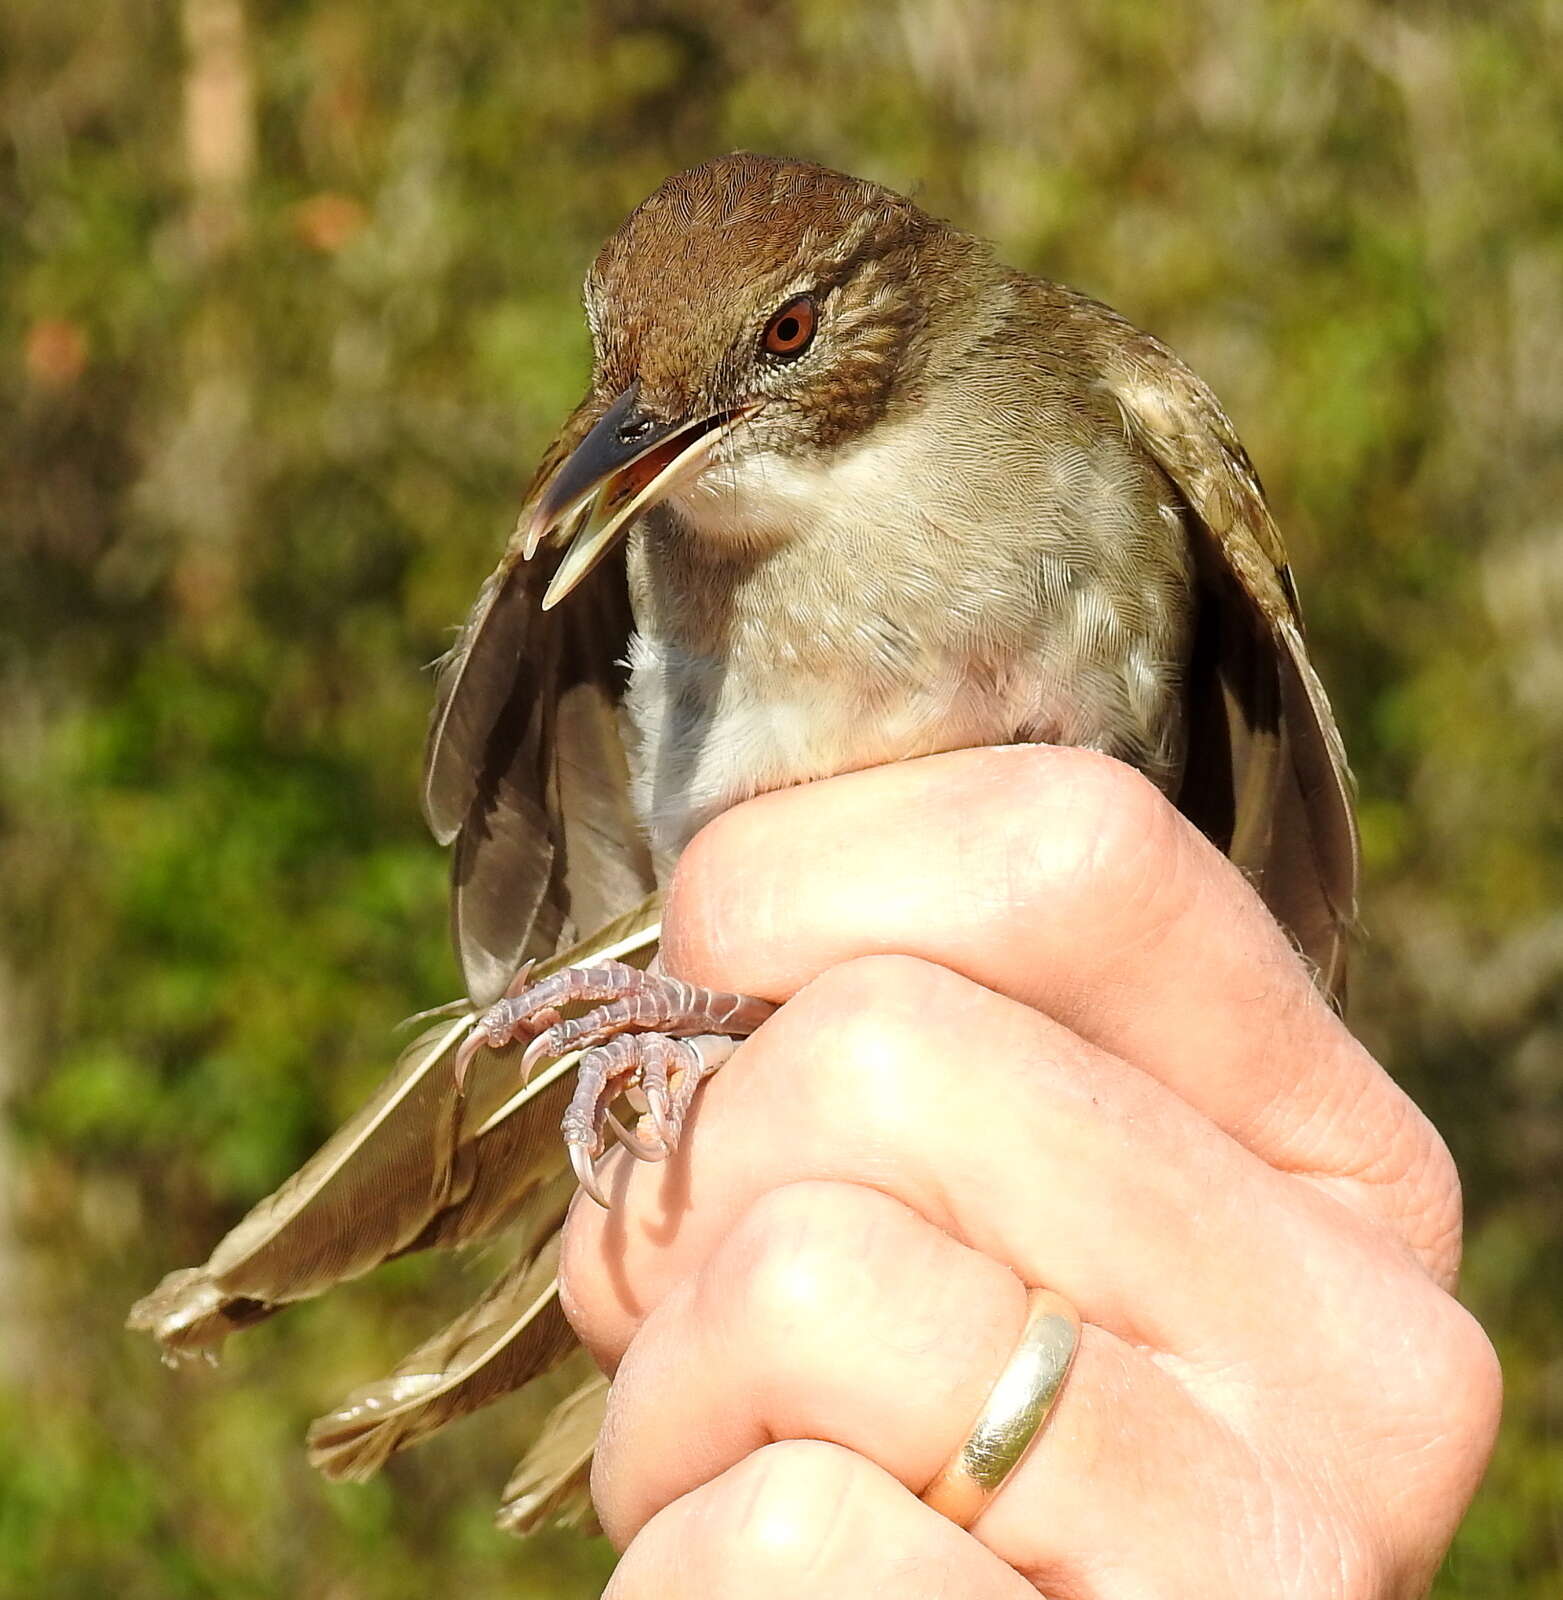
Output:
x,y
626,463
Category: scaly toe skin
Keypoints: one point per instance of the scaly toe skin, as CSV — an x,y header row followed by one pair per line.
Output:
x,y
628,1001
598,1027
661,1060
603,1074
530,1009
632,1001
658,1113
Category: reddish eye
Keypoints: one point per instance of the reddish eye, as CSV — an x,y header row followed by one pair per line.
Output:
x,y
788,333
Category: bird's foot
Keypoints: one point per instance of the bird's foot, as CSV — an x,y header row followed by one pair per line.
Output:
x,y
647,1036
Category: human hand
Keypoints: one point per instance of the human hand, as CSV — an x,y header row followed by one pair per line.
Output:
x,y
1038,1032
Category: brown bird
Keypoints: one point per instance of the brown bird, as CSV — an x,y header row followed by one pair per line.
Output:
x,y
845,490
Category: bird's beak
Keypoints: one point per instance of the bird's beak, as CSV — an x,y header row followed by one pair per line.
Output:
x,y
626,463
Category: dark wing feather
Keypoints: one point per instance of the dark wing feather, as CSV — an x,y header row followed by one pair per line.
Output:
x,y
525,768
1267,775
474,678
504,869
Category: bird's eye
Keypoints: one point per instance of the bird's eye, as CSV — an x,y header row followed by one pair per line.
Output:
x,y
789,333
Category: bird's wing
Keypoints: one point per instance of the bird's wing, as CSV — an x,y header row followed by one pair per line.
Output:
x,y
1267,775
525,769
526,773
417,1167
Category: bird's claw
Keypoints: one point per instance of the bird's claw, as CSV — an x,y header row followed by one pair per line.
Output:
x,y
501,1023
658,1111
542,1047
586,1174
583,1157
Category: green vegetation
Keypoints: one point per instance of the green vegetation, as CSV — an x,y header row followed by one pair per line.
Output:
x,y
288,294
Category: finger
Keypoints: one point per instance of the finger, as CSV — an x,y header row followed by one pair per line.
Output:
x,y
833,1312
1012,1135
804,1518
1064,880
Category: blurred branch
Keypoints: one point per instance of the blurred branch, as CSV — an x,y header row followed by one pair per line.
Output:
x,y
219,121
201,476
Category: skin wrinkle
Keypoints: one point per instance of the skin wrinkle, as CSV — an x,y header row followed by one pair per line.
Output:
x,y
1243,1487
1398,1167
1117,1577
1408,1556
792,1531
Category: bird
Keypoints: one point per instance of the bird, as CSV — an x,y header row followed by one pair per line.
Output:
x,y
845,489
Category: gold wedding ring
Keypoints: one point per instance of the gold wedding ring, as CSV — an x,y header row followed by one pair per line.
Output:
x,y
1014,1411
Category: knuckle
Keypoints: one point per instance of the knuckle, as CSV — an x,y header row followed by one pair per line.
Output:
x,y
1435,1424
781,1522
1464,1373
877,1012
1124,828
1438,1408
782,1270
786,1511
875,1037
1086,825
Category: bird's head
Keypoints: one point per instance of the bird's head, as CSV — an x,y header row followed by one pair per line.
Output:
x,y
751,307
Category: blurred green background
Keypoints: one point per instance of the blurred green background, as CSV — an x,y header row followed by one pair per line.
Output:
x,y
289,301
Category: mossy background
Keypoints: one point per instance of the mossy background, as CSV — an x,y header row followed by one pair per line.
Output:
x,y
288,299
